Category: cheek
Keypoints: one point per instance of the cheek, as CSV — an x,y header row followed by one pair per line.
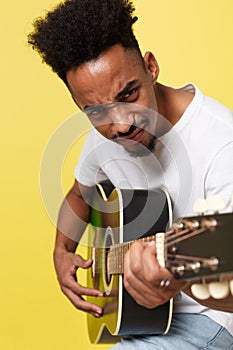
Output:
x,y
103,129
149,98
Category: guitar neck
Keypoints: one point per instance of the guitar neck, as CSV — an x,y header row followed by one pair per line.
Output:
x,y
116,254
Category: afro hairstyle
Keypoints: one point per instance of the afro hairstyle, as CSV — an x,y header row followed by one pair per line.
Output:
x,y
78,31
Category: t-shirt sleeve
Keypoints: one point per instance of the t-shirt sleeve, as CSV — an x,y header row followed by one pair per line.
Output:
x,y
88,171
219,179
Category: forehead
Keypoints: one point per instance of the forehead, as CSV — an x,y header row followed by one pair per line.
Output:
x,y
100,80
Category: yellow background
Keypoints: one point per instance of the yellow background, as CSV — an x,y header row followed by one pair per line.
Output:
x,y
192,41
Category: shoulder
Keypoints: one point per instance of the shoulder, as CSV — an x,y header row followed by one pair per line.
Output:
x,y
212,118
218,111
214,109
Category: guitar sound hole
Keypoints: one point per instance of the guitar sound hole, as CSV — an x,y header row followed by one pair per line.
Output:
x,y
108,277
108,242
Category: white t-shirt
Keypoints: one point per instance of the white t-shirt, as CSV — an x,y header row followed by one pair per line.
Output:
x,y
194,159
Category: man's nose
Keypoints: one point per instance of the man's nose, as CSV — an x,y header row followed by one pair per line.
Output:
x,y
121,119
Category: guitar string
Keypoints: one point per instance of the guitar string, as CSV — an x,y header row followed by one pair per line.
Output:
x,y
189,235
116,252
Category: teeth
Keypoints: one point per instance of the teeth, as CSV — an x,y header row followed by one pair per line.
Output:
x,y
219,290
200,206
200,291
231,286
215,203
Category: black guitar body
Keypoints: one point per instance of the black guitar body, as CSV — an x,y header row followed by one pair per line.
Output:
x,y
124,216
136,319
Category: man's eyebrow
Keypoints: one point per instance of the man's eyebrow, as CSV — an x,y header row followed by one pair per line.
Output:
x,y
123,92
127,87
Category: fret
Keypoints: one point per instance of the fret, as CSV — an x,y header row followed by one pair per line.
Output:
x,y
115,255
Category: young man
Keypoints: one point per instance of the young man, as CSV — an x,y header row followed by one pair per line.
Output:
x,y
162,136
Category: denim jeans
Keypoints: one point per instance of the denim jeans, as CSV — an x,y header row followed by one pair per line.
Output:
x,y
187,332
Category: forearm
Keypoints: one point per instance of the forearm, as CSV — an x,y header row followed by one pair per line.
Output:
x,y
73,218
69,230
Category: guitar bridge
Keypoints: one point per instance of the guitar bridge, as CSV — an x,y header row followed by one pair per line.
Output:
x,y
160,249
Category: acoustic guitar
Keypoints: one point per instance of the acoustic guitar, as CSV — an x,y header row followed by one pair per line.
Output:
x,y
192,249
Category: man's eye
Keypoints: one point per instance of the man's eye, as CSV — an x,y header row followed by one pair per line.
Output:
x,y
96,112
131,94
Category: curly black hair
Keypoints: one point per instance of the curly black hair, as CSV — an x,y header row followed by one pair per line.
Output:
x,y
77,31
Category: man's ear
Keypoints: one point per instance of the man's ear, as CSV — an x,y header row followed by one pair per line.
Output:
x,y
151,66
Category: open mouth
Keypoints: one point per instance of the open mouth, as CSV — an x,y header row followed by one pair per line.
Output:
x,y
134,134
137,136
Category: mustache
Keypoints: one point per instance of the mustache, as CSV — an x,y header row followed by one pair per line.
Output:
x,y
130,131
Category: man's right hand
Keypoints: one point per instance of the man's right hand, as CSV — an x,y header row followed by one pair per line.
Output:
x,y
66,265
73,217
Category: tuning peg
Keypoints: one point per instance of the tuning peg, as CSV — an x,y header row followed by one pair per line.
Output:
x,y
200,206
219,290
200,291
231,286
215,203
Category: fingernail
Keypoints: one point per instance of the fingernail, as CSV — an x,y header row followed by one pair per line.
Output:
x,y
98,313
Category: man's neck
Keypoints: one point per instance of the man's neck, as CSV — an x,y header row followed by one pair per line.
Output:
x,y
172,103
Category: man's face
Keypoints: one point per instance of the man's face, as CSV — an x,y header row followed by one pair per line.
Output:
x,y
116,92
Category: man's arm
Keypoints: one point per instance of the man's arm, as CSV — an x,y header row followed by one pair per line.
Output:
x,y
72,220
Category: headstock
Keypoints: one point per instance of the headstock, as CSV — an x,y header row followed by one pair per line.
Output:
x,y
200,248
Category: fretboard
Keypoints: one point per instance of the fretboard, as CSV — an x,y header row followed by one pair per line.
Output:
x,y
116,254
